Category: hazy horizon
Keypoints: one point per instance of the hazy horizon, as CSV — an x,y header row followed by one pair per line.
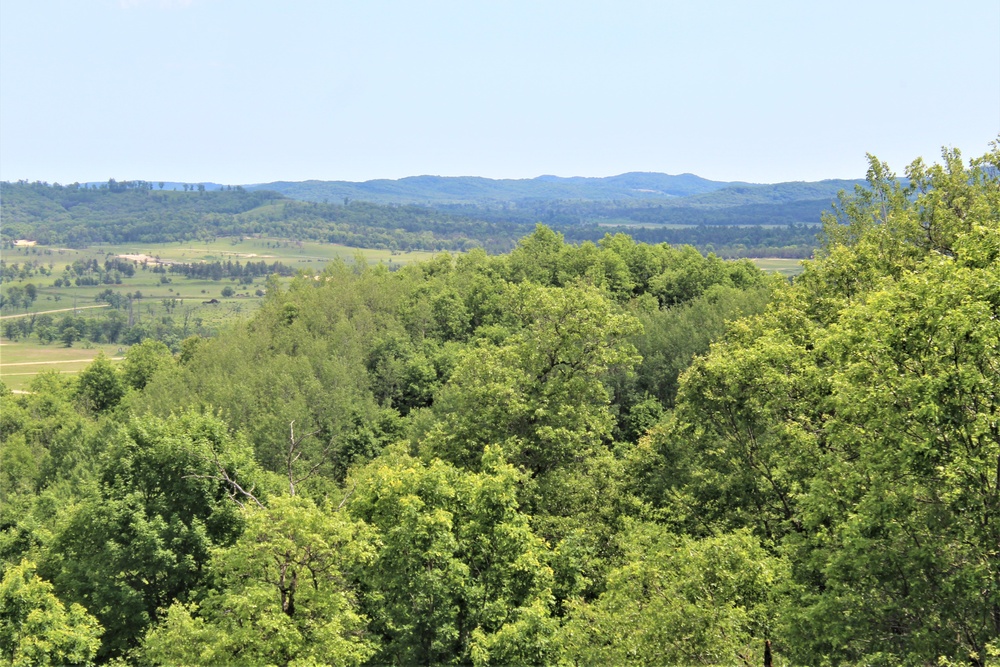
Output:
x,y
254,92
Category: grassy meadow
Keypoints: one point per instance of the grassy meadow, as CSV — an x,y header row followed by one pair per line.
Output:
x,y
22,360
786,267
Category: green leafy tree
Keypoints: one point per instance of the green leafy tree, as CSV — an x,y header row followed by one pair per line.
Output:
x,y
166,497
12,330
902,514
300,359
54,436
46,334
13,297
69,335
402,377
100,385
539,392
283,597
30,294
143,361
854,425
458,575
36,628
679,601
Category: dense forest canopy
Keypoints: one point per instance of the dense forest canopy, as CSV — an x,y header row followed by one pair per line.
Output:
x,y
594,453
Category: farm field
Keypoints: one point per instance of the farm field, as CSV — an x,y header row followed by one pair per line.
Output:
x,y
625,222
786,267
298,254
180,295
21,361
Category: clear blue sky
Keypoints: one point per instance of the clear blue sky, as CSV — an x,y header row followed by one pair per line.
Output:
x,y
249,91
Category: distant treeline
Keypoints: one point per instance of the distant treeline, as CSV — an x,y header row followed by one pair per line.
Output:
x,y
136,212
228,269
698,212
122,324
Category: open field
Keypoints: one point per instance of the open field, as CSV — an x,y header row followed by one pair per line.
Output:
x,y
21,361
625,222
297,254
269,249
185,296
50,312
786,267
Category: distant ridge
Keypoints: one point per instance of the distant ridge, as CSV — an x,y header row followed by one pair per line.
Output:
x,y
629,189
636,187
475,189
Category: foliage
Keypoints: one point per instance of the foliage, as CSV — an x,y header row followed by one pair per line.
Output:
x,y
282,596
679,601
100,386
36,629
854,424
540,392
458,573
145,537
143,361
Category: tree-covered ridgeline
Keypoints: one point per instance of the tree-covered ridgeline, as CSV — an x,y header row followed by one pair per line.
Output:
x,y
79,216
636,188
611,453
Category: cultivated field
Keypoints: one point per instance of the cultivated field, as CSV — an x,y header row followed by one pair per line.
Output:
x,y
298,254
21,361
786,267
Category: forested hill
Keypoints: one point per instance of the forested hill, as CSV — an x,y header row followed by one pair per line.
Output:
x,y
474,189
137,212
130,211
769,223
624,188
570,454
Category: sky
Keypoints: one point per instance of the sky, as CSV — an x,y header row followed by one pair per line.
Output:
x,y
254,91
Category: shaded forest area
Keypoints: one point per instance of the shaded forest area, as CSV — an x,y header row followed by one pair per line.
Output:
x,y
730,225
610,453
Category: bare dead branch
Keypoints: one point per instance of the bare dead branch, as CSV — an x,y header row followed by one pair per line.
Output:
x,y
346,497
235,490
295,453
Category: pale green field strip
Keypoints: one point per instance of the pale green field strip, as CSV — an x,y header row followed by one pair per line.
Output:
x,y
786,267
21,361
259,249
57,310
681,225
36,363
